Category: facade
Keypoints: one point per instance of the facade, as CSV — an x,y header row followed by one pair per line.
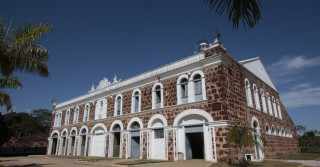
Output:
x,y
180,111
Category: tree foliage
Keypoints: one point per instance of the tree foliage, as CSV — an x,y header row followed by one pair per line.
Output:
x,y
5,132
237,11
310,141
243,136
20,51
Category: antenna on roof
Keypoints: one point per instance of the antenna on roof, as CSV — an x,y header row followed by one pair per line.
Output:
x,y
218,33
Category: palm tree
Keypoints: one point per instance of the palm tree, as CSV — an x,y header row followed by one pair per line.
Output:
x,y
301,128
245,11
20,51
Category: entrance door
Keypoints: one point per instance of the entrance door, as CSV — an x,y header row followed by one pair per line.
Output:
x,y
83,144
98,143
116,144
73,138
135,145
54,146
194,142
64,141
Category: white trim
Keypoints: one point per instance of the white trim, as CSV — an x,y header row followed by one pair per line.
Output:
x,y
67,117
104,109
76,117
256,96
193,112
258,129
116,105
279,109
72,129
263,99
98,125
269,104
133,100
83,127
84,112
157,116
135,119
156,72
55,131
248,92
179,98
192,87
274,107
115,123
65,130
154,95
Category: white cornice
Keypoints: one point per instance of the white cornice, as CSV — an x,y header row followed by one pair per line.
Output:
x,y
170,67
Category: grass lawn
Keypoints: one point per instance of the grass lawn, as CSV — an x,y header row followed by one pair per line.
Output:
x,y
265,163
139,162
300,156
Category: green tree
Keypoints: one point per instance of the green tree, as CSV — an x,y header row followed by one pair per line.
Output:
x,y
301,129
44,117
245,11
242,137
5,132
20,51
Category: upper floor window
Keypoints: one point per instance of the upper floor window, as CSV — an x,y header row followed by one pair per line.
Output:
x,y
56,117
136,101
197,87
76,116
86,113
256,97
273,130
274,107
279,109
268,131
118,105
157,96
101,109
269,104
248,92
66,120
263,99
184,90
59,118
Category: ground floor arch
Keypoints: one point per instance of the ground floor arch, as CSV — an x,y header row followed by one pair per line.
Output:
x,y
115,139
134,126
157,139
98,140
258,146
82,141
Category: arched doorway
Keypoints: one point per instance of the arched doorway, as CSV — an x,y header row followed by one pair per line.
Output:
x,y
82,142
116,140
194,138
134,126
98,140
157,140
72,142
54,143
257,139
63,142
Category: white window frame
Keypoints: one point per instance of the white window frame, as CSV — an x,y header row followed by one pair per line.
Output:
x,y
56,116
103,111
154,95
256,97
269,131
274,107
279,109
248,92
116,105
133,100
67,118
275,130
86,114
269,104
59,118
76,115
263,99
179,92
191,86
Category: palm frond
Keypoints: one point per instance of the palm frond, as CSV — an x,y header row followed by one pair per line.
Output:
x,y
5,101
237,11
10,82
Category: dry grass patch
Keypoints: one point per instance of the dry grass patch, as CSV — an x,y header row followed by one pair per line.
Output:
x,y
300,156
139,162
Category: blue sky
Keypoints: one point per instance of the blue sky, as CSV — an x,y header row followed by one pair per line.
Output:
x,y
95,39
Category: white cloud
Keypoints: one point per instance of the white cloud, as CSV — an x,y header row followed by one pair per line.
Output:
x,y
301,95
290,64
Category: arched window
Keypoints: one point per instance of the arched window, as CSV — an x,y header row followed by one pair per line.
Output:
x,y
60,118
184,90
86,113
267,129
66,120
56,120
248,92
263,99
282,132
157,96
197,87
274,107
76,116
118,105
101,109
279,131
273,130
136,101
256,97
269,104
279,109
